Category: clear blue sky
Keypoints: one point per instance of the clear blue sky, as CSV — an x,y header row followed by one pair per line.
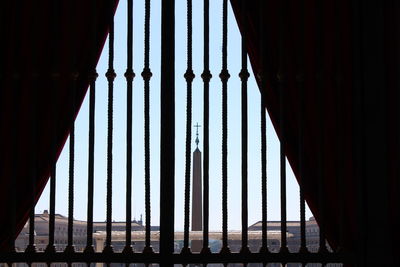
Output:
x,y
234,145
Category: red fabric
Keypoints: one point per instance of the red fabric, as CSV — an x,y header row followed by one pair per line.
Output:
x,y
345,147
32,52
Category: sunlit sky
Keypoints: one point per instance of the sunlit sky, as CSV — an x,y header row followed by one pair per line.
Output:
x,y
119,150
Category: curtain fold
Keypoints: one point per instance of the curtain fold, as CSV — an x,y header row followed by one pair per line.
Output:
x,y
47,42
343,57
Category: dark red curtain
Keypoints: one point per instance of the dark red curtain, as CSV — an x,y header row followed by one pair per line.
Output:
x,y
342,58
44,44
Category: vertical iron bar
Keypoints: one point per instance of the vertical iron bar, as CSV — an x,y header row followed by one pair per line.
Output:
x,y
262,76
110,77
70,247
92,80
31,245
206,76
13,183
320,123
189,76
300,84
15,133
129,75
244,75
303,243
264,245
71,183
283,175
31,248
224,75
146,74
50,248
167,146
16,88
92,102
73,76
54,106
282,112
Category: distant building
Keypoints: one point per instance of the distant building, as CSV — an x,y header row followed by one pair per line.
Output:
x,y
293,228
234,240
61,232
61,235
118,226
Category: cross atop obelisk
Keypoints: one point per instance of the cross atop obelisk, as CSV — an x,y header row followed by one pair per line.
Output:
x,y
197,134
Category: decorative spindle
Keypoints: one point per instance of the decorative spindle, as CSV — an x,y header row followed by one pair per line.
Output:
x,y
264,245
54,76
281,78
206,76
146,74
129,75
92,101
70,246
262,77
224,76
110,75
300,84
244,76
189,76
89,249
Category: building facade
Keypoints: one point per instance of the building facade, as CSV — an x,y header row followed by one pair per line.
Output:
x,y
138,237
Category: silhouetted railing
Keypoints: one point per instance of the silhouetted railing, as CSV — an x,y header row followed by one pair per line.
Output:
x,y
166,256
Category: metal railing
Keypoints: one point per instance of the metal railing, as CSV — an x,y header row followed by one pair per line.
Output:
x,y
166,255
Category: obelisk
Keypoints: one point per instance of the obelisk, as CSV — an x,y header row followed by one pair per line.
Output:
x,y
197,207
